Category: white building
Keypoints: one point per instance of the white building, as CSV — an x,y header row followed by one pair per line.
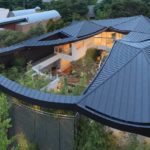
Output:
x,y
4,13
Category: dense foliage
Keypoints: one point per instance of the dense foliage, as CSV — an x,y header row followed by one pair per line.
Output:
x,y
20,4
70,9
4,122
9,37
92,135
122,8
23,75
54,25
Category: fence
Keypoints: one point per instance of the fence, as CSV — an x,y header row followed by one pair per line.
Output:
x,y
48,131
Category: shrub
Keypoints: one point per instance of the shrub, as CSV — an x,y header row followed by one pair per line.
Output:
x,y
93,136
4,122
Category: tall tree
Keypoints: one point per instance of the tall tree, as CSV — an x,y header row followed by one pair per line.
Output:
x,y
68,8
122,8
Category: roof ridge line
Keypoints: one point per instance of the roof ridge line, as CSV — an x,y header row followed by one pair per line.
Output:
x,y
140,17
96,23
133,18
99,70
117,41
86,94
81,26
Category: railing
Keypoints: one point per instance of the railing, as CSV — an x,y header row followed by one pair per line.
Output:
x,y
38,67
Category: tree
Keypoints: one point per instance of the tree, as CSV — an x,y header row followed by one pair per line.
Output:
x,y
33,3
93,136
4,122
129,8
122,8
8,37
54,25
69,7
35,31
13,4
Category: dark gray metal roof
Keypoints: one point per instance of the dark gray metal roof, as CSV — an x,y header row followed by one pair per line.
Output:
x,y
35,96
125,76
51,42
136,37
119,56
119,94
139,24
113,22
85,29
11,49
82,29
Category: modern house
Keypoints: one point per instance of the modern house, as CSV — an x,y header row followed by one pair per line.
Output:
x,y
119,95
23,20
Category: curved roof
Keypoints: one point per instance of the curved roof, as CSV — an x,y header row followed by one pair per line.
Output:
x,y
119,94
16,13
10,20
4,13
31,18
40,16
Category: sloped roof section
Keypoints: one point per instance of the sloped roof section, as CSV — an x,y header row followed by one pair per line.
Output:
x,y
136,37
113,22
139,24
120,55
121,89
82,29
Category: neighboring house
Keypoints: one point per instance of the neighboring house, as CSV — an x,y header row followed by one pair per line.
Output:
x,y
23,20
16,13
4,13
36,18
119,94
